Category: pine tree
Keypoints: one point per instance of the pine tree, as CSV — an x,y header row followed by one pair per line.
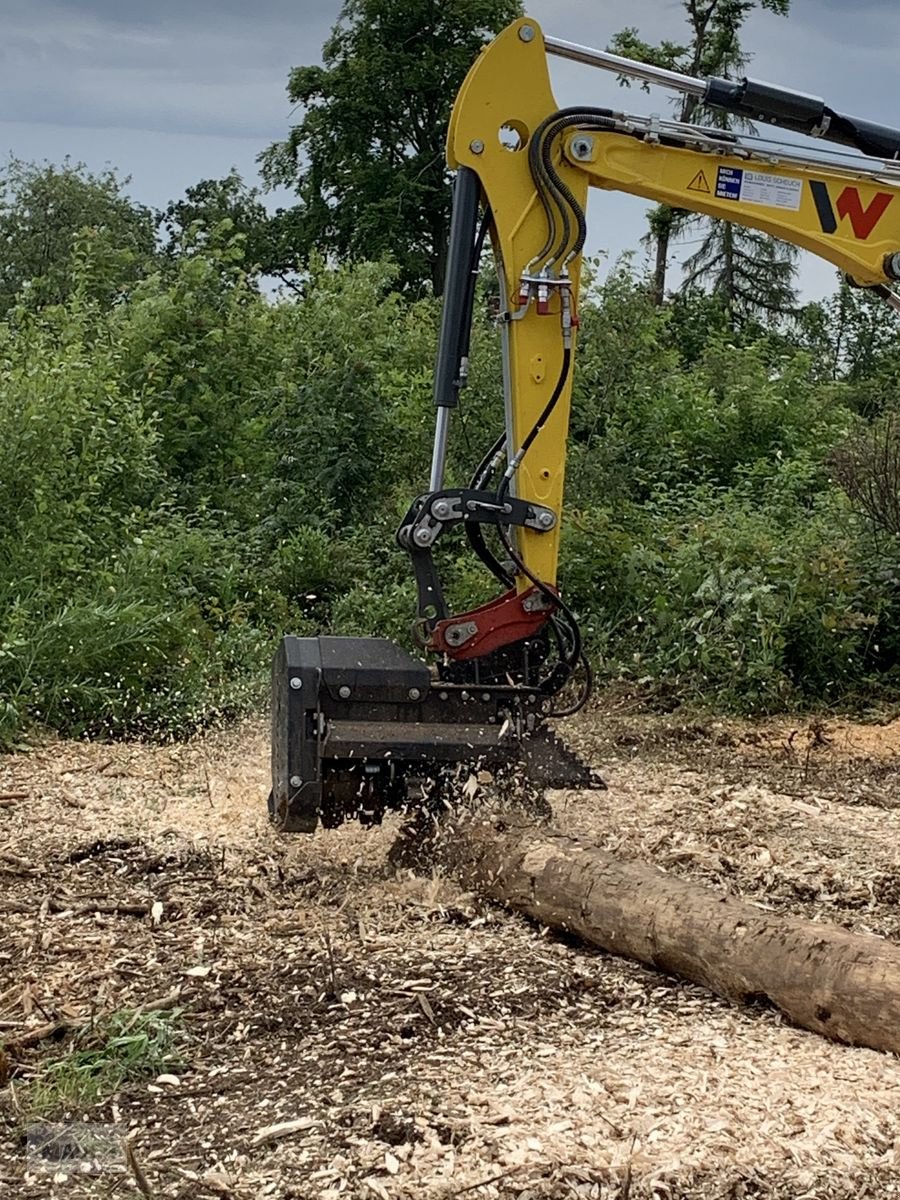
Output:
x,y
751,272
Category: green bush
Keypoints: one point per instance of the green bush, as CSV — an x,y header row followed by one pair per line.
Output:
x,y
194,469
747,602
118,613
648,413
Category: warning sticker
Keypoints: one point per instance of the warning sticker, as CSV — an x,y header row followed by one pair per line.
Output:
x,y
758,187
699,183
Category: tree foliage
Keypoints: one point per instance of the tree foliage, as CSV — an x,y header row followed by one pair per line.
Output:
x,y
46,210
367,158
213,212
189,467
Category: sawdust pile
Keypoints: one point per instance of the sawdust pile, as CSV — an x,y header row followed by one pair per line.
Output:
x,y
354,1032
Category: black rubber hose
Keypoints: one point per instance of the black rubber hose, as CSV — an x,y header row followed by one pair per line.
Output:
x,y
540,422
474,531
535,162
547,179
596,119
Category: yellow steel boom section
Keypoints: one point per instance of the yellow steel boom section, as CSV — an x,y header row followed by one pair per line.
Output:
x,y
847,215
853,223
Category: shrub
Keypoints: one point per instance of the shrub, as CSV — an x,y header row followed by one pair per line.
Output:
x,y
749,605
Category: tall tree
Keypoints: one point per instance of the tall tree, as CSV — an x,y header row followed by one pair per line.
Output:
x,y
367,158
852,336
752,273
45,210
214,210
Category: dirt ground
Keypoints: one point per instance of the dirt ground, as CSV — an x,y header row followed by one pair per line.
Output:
x,y
354,1031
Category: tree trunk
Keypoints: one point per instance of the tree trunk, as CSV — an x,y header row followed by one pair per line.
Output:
x,y
843,985
658,292
728,271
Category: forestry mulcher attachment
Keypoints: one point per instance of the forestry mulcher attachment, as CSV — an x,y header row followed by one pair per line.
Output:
x,y
360,724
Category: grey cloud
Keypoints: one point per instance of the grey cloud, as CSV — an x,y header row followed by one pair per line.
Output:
x,y
92,64
142,14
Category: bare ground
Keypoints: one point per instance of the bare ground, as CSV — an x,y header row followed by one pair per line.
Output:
x,y
420,1042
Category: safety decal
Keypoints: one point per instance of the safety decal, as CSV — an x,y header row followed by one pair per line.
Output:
x,y
863,218
758,187
700,184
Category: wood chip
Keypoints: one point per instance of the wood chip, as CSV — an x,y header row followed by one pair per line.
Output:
x,y
275,1133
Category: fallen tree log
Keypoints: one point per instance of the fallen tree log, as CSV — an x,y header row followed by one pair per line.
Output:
x,y
843,985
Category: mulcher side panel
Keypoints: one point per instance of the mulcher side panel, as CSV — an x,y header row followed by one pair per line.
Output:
x,y
296,780
315,680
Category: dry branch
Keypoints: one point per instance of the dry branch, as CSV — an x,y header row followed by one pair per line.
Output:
x,y
12,864
843,985
136,1170
104,908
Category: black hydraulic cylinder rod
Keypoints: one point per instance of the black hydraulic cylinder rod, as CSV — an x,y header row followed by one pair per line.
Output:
x,y
750,98
767,102
457,307
760,101
880,141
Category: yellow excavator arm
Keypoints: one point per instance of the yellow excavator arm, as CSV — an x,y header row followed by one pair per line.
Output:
x,y
846,209
361,725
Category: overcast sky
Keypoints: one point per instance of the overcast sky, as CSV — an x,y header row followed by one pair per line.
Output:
x,y
173,91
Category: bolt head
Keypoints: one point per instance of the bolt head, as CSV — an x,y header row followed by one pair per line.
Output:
x,y
476,146
415,694
344,692
526,33
296,683
546,520
296,781
423,537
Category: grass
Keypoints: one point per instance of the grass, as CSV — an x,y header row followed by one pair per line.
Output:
x,y
124,1046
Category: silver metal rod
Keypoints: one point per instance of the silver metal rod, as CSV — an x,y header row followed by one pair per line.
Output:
x,y
626,66
439,457
765,149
